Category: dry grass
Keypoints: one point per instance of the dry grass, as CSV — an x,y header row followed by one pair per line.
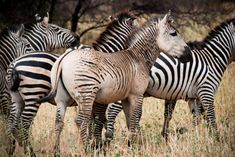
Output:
x,y
195,142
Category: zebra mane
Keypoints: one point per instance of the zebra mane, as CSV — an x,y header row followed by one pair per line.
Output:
x,y
30,25
141,30
6,31
115,21
122,15
218,29
200,44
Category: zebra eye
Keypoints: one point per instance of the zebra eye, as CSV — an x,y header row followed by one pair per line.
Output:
x,y
173,34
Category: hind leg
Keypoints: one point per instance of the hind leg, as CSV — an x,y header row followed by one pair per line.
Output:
x,y
13,121
99,118
62,99
59,124
85,103
15,113
29,112
197,110
112,111
169,108
207,101
132,108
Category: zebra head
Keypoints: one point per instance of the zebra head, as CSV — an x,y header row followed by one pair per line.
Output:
x,y
170,41
44,36
22,45
58,37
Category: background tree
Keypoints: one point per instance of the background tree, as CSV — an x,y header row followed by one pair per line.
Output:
x,y
83,16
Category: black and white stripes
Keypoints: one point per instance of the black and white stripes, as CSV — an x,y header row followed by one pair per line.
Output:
x,y
198,79
33,71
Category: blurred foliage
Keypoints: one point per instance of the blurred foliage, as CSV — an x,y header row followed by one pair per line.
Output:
x,y
83,16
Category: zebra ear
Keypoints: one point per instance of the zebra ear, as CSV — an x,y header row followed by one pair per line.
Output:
x,y
45,20
38,18
112,18
170,19
19,32
167,19
164,20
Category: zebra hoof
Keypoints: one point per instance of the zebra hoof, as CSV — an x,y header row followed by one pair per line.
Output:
x,y
109,135
11,149
56,154
181,130
32,154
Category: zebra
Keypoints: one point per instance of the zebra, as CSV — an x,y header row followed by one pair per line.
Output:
x,y
28,77
41,36
196,81
12,44
44,36
123,75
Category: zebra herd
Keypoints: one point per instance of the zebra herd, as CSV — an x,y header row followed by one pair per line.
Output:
x,y
91,80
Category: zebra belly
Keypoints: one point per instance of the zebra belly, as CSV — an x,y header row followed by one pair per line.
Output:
x,y
112,91
171,79
166,95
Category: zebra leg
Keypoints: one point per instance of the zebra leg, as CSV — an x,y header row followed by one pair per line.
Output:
x,y
5,101
15,115
29,112
59,124
82,121
196,109
132,108
99,111
62,99
211,121
169,108
113,110
208,107
85,103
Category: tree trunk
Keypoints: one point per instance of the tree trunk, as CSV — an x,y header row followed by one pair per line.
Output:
x,y
52,9
75,16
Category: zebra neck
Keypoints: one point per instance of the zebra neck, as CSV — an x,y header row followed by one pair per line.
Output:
x,y
36,38
8,51
146,51
113,39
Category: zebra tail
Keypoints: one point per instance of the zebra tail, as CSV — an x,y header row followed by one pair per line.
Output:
x,y
55,75
12,78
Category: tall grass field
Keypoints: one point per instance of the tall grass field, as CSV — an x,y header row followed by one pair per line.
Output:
x,y
196,142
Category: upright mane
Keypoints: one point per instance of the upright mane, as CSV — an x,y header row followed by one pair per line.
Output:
x,y
218,29
200,44
6,31
141,31
114,22
29,26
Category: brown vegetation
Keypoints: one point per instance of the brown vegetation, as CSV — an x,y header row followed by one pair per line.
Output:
x,y
194,25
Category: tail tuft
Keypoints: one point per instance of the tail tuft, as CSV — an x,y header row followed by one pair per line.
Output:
x,y
47,98
12,78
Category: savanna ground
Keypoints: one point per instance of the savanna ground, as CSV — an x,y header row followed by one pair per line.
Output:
x,y
195,142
